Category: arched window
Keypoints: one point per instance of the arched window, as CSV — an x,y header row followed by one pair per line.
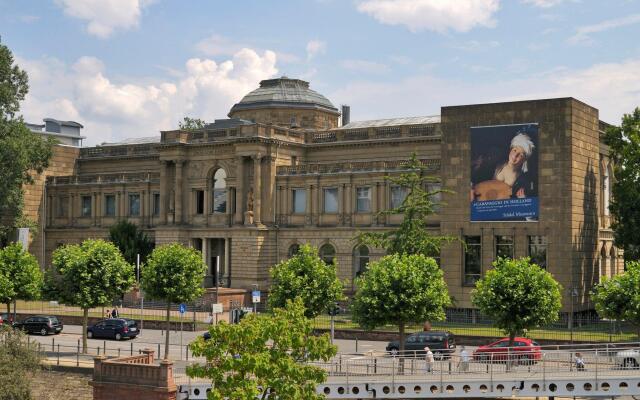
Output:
x,y
219,193
328,253
360,259
293,250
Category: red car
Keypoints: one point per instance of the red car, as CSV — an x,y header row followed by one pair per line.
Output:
x,y
524,350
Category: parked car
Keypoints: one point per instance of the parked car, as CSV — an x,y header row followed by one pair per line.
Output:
x,y
114,328
6,319
42,324
628,359
441,343
524,350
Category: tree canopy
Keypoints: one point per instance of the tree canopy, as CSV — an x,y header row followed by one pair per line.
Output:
x,y
264,354
619,297
518,296
18,361
23,154
22,272
413,235
307,277
173,273
400,289
90,274
131,241
190,124
624,150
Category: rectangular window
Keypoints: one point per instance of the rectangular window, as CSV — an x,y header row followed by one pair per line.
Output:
x,y
504,246
330,200
134,204
110,205
538,250
436,197
86,206
299,201
199,201
219,201
472,259
398,194
156,204
63,206
363,199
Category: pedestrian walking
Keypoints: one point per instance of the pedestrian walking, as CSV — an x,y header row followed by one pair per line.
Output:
x,y
108,315
429,359
579,362
114,313
463,366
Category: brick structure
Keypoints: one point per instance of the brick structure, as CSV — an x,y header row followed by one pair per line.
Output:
x,y
281,172
137,377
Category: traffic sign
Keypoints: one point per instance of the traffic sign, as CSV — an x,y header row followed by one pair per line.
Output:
x,y
183,308
255,296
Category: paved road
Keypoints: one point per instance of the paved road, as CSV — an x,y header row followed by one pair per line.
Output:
x,y
67,342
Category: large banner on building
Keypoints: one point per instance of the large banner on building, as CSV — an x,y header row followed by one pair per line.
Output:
x,y
504,173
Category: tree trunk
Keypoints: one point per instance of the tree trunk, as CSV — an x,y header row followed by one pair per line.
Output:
x,y
8,307
510,354
166,338
401,361
85,318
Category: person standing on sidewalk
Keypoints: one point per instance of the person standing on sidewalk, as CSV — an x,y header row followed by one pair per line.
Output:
x,y
429,359
464,360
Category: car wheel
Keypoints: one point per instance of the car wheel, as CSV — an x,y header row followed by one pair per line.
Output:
x,y
525,360
43,332
393,351
89,334
630,363
438,356
118,336
482,357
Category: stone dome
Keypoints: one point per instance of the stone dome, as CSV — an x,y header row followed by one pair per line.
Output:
x,y
284,92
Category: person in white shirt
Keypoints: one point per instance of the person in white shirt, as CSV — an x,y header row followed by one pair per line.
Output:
x,y
464,360
429,359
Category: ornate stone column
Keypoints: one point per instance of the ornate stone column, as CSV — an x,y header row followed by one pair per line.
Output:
x,y
178,192
374,203
308,220
257,189
239,189
164,192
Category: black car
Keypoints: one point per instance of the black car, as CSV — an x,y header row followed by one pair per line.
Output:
x,y
441,343
114,328
42,324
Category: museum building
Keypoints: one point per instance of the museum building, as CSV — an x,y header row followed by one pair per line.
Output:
x,y
524,178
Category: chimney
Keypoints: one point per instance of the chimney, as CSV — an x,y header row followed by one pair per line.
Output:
x,y
346,114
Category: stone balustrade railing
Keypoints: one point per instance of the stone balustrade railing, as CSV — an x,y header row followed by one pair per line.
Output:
x,y
130,177
364,166
383,132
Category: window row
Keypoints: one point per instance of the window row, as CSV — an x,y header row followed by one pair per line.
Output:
x,y
327,253
330,200
109,205
504,245
218,195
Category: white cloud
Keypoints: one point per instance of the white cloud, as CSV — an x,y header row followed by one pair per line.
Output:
x,y
315,47
216,45
112,110
583,33
613,88
371,67
105,16
544,3
435,15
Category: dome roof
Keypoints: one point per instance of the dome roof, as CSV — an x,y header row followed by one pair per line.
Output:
x,y
284,93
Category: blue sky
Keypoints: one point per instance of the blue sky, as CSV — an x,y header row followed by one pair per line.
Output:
x,y
127,68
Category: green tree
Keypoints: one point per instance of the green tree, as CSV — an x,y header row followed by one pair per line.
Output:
x,y
400,289
619,297
264,354
518,296
305,276
23,273
413,235
191,124
90,274
23,154
624,150
131,241
173,273
19,359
